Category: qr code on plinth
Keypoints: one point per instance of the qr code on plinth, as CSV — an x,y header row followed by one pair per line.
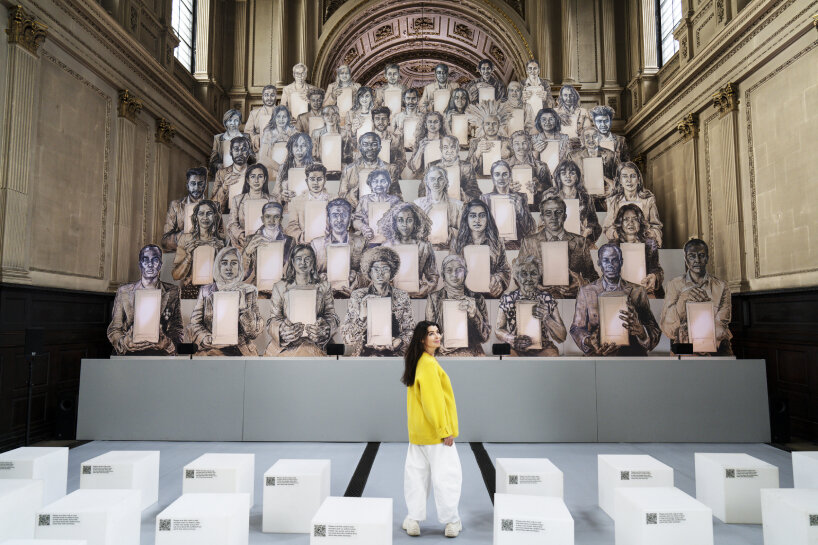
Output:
x,y
513,479
164,525
506,525
624,475
730,473
271,481
651,518
86,470
319,530
190,473
44,520
813,520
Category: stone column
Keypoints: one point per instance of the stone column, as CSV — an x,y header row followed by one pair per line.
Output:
x,y
540,25
128,110
25,36
688,128
279,71
203,54
570,62
643,83
238,92
611,91
165,133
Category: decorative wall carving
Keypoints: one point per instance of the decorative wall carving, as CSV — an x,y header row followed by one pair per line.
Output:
x,y
689,126
726,99
421,24
165,132
384,32
24,30
128,106
463,31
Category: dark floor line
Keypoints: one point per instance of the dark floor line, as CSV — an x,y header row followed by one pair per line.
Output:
x,y
486,467
357,483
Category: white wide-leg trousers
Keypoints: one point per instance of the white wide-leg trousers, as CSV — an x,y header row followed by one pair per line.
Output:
x,y
441,465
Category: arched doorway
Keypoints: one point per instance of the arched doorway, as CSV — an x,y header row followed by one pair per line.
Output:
x,y
368,34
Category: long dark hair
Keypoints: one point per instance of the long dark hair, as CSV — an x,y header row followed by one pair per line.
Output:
x,y
415,351
464,237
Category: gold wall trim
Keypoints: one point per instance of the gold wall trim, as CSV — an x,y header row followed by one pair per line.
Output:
x,y
105,171
751,159
165,132
128,106
688,127
25,30
726,99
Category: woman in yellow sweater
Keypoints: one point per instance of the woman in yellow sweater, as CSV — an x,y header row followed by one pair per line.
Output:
x,y
432,421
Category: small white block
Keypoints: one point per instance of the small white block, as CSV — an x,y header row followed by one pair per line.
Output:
x,y
661,516
205,519
214,473
293,492
805,469
531,520
730,484
528,476
628,471
20,499
120,469
44,542
49,464
353,521
790,516
101,517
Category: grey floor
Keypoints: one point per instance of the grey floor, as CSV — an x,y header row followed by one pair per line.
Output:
x,y
577,461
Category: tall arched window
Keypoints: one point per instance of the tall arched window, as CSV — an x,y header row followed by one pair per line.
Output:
x,y
670,14
183,20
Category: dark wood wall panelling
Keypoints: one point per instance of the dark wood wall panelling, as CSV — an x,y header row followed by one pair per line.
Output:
x,y
782,328
74,324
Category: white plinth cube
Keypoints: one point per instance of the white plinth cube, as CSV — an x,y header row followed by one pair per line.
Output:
x,y
528,476
805,469
44,542
118,469
661,516
220,473
205,519
531,520
101,517
628,471
20,499
353,521
293,492
730,484
790,516
49,464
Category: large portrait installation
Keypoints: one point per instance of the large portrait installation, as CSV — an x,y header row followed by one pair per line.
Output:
x,y
508,212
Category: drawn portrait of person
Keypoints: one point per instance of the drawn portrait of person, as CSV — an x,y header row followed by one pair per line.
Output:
x,y
487,78
339,220
637,319
568,182
630,188
381,127
332,127
503,184
697,286
270,231
549,130
514,101
378,182
380,264
528,277
429,133
175,219
206,222
220,156
477,228
436,194
278,130
255,189
315,101
573,117
342,81
316,175
458,102
392,74
602,117
369,146
227,276
427,101
591,148
489,117
632,227
534,84
298,86
406,223
259,117
299,155
410,110
523,156
450,151
289,337
361,112
581,269
121,328
234,174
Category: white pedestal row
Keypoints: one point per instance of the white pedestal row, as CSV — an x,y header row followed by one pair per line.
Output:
x,y
731,484
353,521
805,470
790,516
615,471
205,519
531,520
124,469
528,476
100,517
20,499
293,492
215,473
49,464
661,516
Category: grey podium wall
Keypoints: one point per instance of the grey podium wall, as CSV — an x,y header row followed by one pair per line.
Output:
x,y
361,399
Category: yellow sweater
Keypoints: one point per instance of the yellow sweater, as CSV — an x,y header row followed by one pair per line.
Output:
x,y
430,410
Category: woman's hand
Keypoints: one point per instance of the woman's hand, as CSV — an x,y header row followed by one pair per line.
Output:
x,y
449,441
521,343
469,305
649,283
539,145
484,146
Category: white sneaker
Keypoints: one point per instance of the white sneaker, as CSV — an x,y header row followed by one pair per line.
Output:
x,y
411,526
453,529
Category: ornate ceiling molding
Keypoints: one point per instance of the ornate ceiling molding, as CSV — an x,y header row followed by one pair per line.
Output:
x,y
329,7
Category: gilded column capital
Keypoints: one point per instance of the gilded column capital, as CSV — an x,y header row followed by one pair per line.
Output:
x,y
726,99
164,131
815,21
129,106
689,127
25,31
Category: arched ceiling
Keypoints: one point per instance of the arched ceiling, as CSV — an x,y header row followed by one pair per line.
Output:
x,y
328,7
416,36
